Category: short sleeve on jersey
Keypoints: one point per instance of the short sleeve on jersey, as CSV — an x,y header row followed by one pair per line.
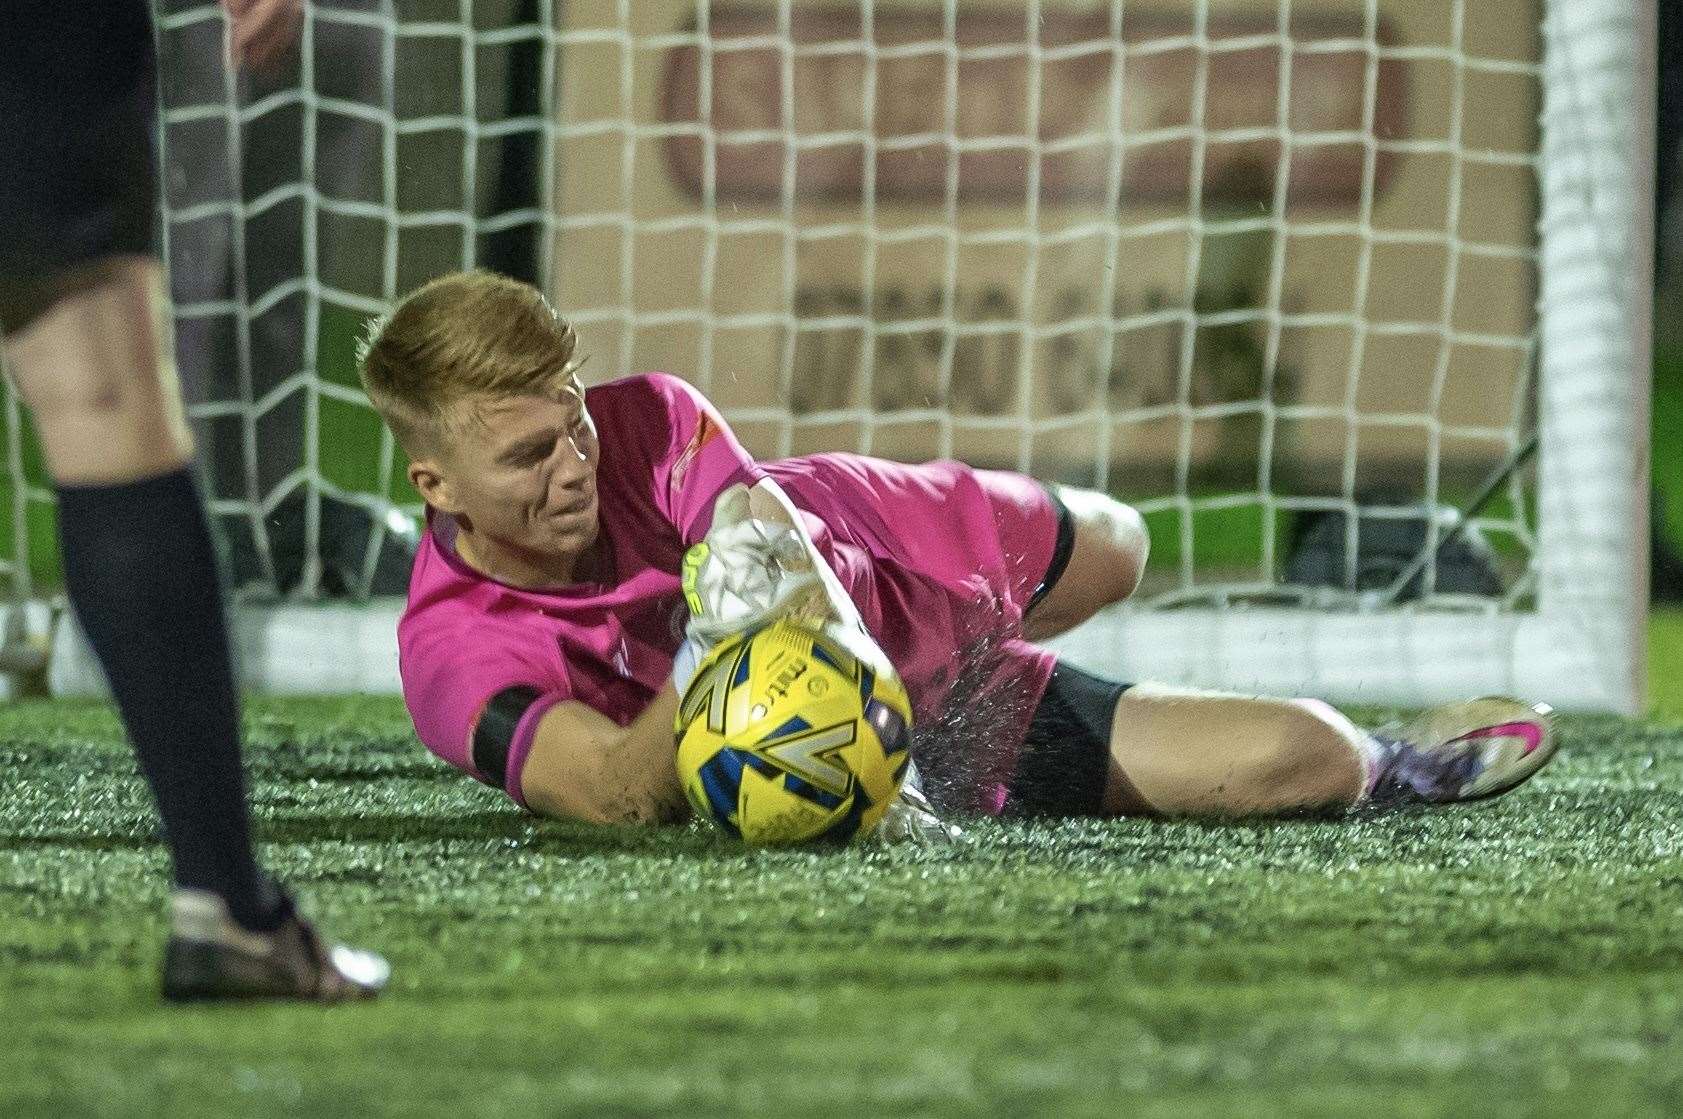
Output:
x,y
501,675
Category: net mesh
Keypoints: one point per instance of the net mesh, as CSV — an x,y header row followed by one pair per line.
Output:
x,y
1266,271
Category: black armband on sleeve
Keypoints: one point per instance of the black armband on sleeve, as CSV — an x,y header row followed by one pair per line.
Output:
x,y
493,735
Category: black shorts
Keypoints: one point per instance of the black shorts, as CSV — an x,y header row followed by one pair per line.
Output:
x,y
78,114
1065,760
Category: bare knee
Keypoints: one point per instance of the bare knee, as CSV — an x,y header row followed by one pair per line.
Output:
x,y
1115,539
1130,546
1104,567
103,407
83,400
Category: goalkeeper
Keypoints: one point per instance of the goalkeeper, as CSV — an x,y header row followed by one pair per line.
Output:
x,y
546,620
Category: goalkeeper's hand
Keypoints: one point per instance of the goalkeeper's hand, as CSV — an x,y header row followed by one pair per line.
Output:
x,y
912,819
749,570
756,563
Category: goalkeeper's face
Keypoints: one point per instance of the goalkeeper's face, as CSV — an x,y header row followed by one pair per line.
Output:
x,y
521,476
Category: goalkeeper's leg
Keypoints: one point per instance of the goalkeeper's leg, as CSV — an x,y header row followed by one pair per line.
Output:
x,y
1100,748
1183,751
1097,747
1098,560
1179,751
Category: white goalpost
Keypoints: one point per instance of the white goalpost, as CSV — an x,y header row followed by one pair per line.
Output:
x,y
1583,641
1298,280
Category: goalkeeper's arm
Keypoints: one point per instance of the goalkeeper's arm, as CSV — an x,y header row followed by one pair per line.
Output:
x,y
584,766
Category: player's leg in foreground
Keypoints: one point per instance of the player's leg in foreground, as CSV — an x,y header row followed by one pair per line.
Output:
x,y
142,577
80,310
1181,751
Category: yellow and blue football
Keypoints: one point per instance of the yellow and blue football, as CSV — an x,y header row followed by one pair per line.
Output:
x,y
793,733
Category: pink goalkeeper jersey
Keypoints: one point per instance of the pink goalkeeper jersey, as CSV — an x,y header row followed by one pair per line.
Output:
x,y
941,560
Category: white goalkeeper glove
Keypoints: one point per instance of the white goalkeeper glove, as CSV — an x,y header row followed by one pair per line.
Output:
x,y
911,818
749,570
745,572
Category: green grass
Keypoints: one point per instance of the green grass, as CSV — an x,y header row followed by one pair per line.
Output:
x,y
1665,663
1667,438
1519,957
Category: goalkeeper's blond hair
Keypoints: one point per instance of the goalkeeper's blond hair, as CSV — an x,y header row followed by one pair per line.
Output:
x,y
463,336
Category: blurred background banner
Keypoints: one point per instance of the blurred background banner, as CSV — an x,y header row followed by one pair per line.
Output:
x,y
1103,258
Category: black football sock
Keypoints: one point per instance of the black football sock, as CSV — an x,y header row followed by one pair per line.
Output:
x,y
142,577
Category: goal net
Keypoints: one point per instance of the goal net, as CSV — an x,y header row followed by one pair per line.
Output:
x,y
1300,281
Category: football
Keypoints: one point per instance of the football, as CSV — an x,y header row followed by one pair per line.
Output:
x,y
790,734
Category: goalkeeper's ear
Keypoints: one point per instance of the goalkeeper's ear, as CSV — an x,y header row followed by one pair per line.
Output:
x,y
429,481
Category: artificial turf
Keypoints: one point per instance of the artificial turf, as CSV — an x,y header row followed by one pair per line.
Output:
x,y
1518,957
